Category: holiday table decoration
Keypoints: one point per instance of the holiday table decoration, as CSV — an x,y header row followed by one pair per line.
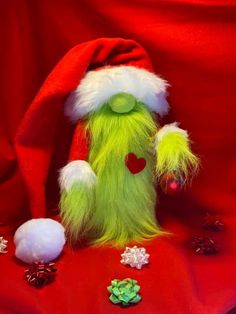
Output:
x,y
108,187
124,292
3,245
135,257
118,152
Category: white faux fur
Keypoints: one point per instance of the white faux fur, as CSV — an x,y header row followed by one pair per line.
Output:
x,y
169,128
98,86
76,171
39,240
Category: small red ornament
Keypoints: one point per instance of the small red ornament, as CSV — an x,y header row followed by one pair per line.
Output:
x,y
169,184
40,274
135,164
213,223
204,245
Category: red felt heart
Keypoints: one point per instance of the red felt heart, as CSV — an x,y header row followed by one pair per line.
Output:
x,y
135,164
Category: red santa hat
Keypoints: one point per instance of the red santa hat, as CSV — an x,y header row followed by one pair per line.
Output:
x,y
87,76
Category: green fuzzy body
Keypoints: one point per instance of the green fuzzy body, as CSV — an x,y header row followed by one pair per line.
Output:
x,y
124,202
120,207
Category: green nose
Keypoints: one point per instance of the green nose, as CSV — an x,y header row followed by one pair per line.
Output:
x,y
122,102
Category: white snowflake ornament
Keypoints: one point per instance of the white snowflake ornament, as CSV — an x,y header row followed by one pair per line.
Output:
x,y
135,257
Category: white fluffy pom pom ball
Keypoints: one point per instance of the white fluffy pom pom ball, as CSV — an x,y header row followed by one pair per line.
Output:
x,y
39,240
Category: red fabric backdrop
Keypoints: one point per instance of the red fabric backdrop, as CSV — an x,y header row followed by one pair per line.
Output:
x,y
191,44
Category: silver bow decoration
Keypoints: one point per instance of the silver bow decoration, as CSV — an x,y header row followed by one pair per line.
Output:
x,y
135,257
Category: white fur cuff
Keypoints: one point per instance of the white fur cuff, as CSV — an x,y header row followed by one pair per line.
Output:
x,y
76,171
98,86
169,128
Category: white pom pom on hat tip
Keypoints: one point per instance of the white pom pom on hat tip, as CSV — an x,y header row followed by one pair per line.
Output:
x,y
39,240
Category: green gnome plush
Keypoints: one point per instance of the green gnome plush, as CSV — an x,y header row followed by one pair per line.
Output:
x,y
118,154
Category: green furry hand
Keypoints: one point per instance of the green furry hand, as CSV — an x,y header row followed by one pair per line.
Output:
x,y
174,154
76,209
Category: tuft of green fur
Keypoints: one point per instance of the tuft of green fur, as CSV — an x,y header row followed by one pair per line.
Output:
x,y
124,202
174,155
77,206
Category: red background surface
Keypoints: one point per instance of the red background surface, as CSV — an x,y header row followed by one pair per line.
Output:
x,y
191,44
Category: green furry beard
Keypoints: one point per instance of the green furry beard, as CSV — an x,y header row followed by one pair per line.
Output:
x,y
121,207
124,202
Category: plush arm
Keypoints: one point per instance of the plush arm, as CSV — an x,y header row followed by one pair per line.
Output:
x,y
77,182
174,154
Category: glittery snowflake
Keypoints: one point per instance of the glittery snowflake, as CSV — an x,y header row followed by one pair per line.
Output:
x,y
3,245
135,257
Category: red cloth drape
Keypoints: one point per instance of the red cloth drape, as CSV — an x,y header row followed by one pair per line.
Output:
x,y
191,44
